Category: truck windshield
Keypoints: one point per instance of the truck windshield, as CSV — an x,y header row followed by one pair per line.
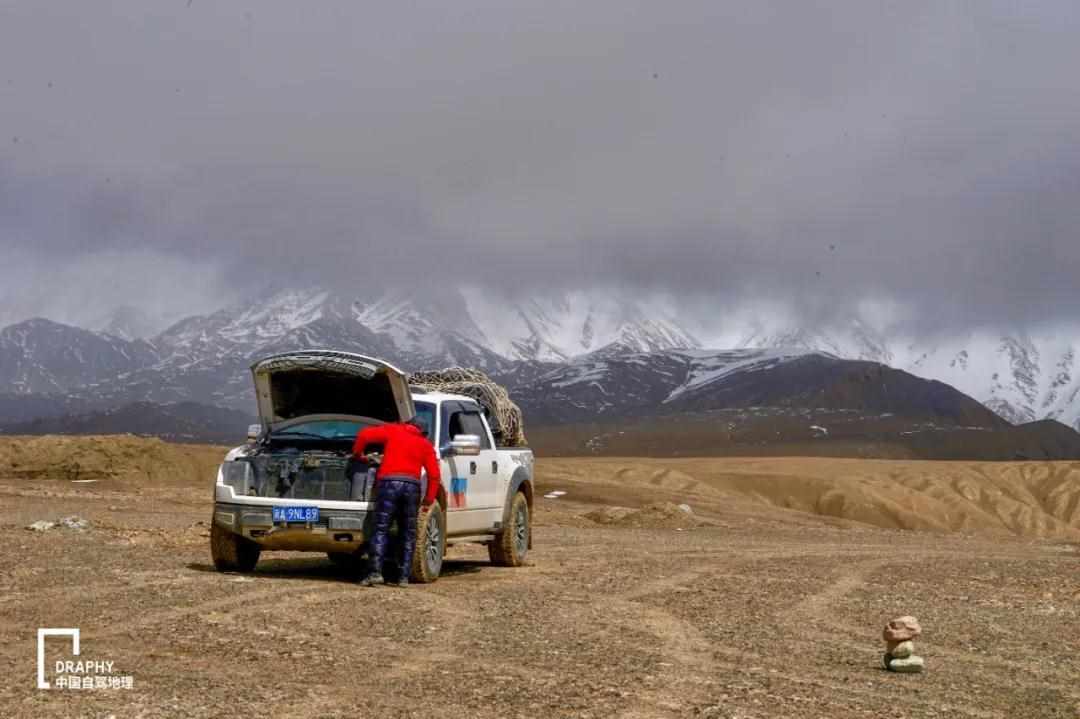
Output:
x,y
342,429
332,429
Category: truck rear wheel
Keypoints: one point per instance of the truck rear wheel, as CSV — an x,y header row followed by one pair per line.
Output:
x,y
510,547
231,552
430,545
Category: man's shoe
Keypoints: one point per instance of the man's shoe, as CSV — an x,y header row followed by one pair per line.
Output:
x,y
371,580
403,582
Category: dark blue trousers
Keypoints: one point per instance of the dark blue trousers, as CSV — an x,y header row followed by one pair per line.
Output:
x,y
395,498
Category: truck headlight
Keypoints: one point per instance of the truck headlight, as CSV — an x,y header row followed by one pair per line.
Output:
x,y
239,475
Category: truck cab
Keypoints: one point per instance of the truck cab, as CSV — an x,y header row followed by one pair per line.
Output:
x,y
295,486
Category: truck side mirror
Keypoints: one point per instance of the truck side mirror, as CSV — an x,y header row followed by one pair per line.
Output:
x,y
254,430
464,445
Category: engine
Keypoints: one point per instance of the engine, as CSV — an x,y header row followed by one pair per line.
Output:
x,y
295,474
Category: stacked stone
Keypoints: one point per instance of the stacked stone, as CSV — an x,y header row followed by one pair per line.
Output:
x,y
899,645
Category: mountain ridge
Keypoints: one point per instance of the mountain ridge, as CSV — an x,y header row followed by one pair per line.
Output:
x,y
1020,376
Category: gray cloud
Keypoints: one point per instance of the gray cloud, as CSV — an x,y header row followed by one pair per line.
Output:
x,y
811,155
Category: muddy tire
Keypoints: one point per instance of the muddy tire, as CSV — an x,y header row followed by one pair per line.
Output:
x,y
231,552
430,545
510,548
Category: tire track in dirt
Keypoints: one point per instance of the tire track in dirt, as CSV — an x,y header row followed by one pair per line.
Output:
x,y
686,651
696,659
816,606
396,664
693,661
816,609
873,697
103,589
246,599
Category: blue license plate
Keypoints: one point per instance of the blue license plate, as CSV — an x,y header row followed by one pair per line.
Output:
x,y
296,514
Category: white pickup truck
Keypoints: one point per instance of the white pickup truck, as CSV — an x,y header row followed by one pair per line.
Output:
x,y
294,486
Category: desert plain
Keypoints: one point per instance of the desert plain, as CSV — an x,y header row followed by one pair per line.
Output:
x,y
766,599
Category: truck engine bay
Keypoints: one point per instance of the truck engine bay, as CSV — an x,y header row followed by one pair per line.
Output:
x,y
291,473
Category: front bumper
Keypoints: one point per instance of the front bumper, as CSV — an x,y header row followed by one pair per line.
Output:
x,y
338,530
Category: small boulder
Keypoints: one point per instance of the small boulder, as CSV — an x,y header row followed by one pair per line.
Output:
x,y
609,515
905,665
686,508
75,522
41,526
901,629
901,649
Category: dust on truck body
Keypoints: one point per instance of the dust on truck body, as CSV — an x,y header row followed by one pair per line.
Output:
x,y
295,486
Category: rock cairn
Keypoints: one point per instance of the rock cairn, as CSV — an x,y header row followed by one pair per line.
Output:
x,y
899,645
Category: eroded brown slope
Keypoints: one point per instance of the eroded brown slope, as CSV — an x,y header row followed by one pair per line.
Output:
x,y
1031,499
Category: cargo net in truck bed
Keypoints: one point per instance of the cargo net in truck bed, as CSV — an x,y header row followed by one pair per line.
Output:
x,y
503,414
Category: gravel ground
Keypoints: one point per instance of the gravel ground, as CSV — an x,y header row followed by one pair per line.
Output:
x,y
757,612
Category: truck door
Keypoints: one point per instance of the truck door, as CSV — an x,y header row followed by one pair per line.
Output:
x,y
471,483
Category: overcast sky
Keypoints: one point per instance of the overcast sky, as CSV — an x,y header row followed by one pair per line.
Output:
x,y
810,155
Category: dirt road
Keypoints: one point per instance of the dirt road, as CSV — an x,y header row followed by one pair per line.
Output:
x,y
755,612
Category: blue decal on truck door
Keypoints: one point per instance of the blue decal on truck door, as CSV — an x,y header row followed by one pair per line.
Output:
x,y
458,488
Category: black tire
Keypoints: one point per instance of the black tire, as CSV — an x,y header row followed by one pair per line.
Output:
x,y
510,548
231,552
430,545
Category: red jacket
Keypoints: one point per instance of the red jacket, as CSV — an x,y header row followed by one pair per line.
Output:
x,y
405,451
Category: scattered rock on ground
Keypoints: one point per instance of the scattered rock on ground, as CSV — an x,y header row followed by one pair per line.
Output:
x,y
901,649
905,665
901,629
658,515
608,515
75,522
72,522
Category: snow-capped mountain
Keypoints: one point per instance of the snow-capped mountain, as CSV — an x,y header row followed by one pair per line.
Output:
x,y
1022,376
411,332
564,325
855,340
608,384
634,385
40,356
129,323
205,357
452,326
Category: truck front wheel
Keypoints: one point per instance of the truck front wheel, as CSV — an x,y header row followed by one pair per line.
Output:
x,y
231,552
510,548
430,545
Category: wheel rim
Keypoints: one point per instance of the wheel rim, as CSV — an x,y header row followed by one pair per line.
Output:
x,y
434,543
521,530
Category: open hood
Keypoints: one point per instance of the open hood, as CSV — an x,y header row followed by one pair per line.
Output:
x,y
313,382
